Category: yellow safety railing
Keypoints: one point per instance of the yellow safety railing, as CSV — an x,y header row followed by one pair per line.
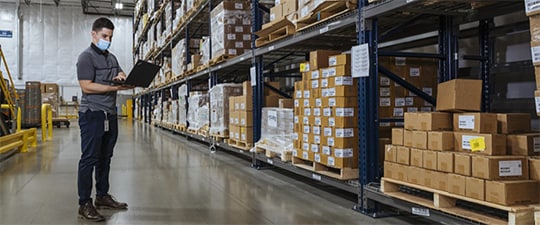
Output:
x,y
20,140
19,115
46,122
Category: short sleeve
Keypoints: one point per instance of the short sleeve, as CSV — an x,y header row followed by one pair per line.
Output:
x,y
85,68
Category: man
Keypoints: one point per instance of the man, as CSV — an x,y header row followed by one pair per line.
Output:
x,y
97,120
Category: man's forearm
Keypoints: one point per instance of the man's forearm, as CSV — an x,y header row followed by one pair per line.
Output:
x,y
95,88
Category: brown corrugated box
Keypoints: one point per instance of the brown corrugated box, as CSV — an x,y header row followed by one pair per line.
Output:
x,y
286,103
495,144
534,168
419,139
476,122
276,13
500,167
475,188
441,140
407,138
428,121
445,162
336,60
417,158
340,102
319,59
390,154
513,123
403,155
456,184
415,175
430,160
459,95
523,144
462,164
246,118
396,171
397,136
512,192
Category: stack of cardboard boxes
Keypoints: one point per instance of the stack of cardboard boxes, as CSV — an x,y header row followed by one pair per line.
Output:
x,y
533,11
241,117
472,154
231,28
284,9
325,112
50,95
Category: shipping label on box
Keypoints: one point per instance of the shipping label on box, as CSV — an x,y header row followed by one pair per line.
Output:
x,y
316,130
314,148
299,94
344,132
344,153
317,121
345,112
305,155
409,101
327,112
398,112
307,129
317,111
510,168
384,81
306,103
400,102
486,144
384,92
317,158
385,102
341,81
390,153
315,84
325,83
315,74
305,146
317,139
305,138
307,111
305,120
326,150
296,103
327,132
307,94
532,7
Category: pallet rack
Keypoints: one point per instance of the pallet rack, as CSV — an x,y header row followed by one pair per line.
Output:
x,y
374,23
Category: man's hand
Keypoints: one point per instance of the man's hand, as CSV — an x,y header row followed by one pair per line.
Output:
x,y
121,76
124,87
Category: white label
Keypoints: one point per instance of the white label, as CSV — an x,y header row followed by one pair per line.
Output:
x,y
510,168
385,124
305,138
270,161
305,146
307,129
253,75
306,102
466,122
326,72
236,121
238,6
317,158
420,211
332,61
343,153
315,84
305,120
272,16
305,155
428,91
345,112
466,141
324,92
425,109
272,118
239,29
315,148
385,102
331,92
307,94
331,141
307,112
304,12
384,81
315,74
400,102
401,61
535,54
324,83
232,52
537,101
317,139
243,122
347,132
331,161
327,131
331,102
299,94
414,72
296,103
332,72
400,124
360,61
318,102
327,112
247,37
295,153
295,136
343,81
384,92
536,143
412,109
296,119
326,150
316,177
231,37
318,121
316,130
316,111
532,6
323,30
398,112
332,121
409,101
239,44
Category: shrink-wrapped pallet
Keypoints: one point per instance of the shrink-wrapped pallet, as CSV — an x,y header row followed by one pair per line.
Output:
x,y
230,22
277,129
198,110
219,107
182,107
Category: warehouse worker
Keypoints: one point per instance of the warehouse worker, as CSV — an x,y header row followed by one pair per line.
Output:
x,y
97,120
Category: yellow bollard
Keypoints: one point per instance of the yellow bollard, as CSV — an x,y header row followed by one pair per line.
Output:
x,y
19,119
46,122
129,109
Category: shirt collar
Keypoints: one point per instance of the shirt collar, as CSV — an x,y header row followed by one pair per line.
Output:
x,y
106,52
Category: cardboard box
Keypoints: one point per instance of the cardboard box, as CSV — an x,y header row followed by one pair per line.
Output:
x,y
417,157
428,121
246,134
475,188
336,71
428,179
276,85
234,118
430,160
445,162
512,192
337,60
441,180
485,144
319,59
247,89
456,184
246,118
534,168
397,136
276,13
462,164
523,144
403,155
342,80
340,91
245,102
271,101
390,153
459,95
51,88
286,103
476,122
500,167
408,138
343,158
289,7
340,102
441,140
395,171
513,123
418,177
234,132
420,139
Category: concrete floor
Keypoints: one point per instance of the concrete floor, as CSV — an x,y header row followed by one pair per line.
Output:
x,y
166,180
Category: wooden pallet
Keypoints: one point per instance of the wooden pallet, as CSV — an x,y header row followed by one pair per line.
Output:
x,y
192,131
220,139
180,127
446,202
302,163
285,156
274,31
201,67
219,59
220,134
203,132
337,173
323,14
240,144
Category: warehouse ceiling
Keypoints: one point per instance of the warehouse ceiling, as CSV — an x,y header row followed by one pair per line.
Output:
x,y
92,7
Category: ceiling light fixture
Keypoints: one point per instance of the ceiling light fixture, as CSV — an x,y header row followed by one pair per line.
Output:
x,y
118,5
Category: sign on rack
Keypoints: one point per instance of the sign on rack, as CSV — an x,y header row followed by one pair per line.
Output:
x,y
360,61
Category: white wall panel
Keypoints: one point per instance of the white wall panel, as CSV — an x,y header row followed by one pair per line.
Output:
x,y
8,21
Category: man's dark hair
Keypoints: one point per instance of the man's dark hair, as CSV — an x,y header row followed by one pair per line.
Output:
x,y
101,23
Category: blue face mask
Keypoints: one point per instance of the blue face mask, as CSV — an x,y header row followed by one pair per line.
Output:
x,y
103,45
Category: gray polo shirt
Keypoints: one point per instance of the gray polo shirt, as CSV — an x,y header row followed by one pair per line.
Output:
x,y
98,66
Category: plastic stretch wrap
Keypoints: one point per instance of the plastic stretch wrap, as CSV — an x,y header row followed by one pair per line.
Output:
x,y
178,57
229,25
182,111
51,99
219,106
205,50
156,116
173,115
277,129
166,111
198,110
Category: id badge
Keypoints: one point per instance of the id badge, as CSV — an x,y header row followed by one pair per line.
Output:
x,y
106,125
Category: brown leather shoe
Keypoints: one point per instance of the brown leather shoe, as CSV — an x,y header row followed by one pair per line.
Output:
x,y
88,212
108,202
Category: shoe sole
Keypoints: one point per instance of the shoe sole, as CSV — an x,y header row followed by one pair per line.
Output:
x,y
111,208
91,220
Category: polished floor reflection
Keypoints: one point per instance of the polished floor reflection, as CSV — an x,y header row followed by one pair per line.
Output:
x,y
166,180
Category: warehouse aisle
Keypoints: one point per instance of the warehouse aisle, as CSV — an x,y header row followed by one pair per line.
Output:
x,y
165,181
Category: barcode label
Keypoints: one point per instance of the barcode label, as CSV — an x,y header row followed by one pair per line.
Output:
x,y
532,6
420,211
535,54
